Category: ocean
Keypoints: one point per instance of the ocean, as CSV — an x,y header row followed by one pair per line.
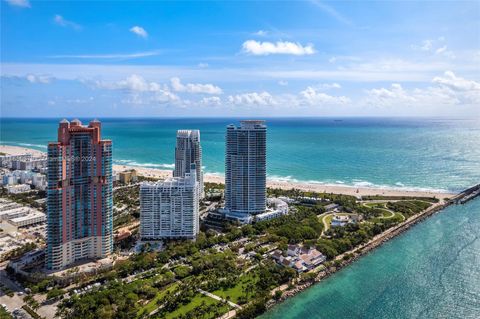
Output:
x,y
430,271
422,154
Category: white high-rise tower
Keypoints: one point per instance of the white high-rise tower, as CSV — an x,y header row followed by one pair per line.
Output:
x,y
188,151
245,170
169,209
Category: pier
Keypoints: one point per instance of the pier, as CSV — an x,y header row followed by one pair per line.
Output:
x,y
466,195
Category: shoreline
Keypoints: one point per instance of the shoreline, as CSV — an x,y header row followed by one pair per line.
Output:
x,y
360,251
271,183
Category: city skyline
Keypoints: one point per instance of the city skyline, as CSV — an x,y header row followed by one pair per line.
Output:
x,y
240,59
239,159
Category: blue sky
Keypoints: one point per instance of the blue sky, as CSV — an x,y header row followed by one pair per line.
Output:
x,y
288,58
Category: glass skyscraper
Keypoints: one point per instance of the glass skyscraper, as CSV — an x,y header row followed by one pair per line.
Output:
x,y
245,170
79,195
188,151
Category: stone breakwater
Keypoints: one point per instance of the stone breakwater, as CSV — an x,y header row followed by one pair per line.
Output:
x,y
375,242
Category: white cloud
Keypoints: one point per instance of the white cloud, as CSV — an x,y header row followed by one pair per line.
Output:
x,y
133,82
441,50
327,86
19,3
437,47
139,31
456,83
211,101
107,56
261,33
203,65
426,45
313,96
44,79
194,88
283,83
253,98
267,48
61,21
140,91
448,90
385,97
466,91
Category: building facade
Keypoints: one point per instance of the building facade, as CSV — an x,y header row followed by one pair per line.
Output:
x,y
79,195
245,170
188,151
170,209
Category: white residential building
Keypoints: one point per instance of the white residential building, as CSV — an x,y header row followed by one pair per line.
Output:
x,y
32,218
245,170
276,208
20,216
18,189
170,209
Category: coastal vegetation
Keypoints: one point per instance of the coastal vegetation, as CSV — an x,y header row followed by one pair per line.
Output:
x,y
127,205
232,269
34,198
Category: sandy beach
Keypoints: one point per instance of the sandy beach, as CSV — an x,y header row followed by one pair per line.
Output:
x,y
304,186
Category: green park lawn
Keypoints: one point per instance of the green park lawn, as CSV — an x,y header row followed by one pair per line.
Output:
x,y
237,291
197,301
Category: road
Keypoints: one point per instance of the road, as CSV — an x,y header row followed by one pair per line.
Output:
x,y
16,301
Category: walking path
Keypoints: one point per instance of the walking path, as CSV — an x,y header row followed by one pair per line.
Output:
x,y
206,293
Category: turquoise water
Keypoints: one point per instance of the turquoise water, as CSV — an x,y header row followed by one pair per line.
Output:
x,y
399,153
431,271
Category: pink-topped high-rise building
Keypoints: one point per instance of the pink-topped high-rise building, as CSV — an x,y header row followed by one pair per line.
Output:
x,y
79,196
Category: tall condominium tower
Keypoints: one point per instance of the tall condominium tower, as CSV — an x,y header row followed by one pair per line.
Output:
x,y
187,152
245,170
79,195
169,209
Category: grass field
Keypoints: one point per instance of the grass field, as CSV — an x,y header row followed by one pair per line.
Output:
x,y
237,291
152,304
198,300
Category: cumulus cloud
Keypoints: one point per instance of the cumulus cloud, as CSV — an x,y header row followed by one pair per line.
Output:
x,y
248,99
448,89
44,79
313,96
464,90
133,82
140,90
178,86
435,46
19,3
61,21
457,83
139,31
266,48
385,97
